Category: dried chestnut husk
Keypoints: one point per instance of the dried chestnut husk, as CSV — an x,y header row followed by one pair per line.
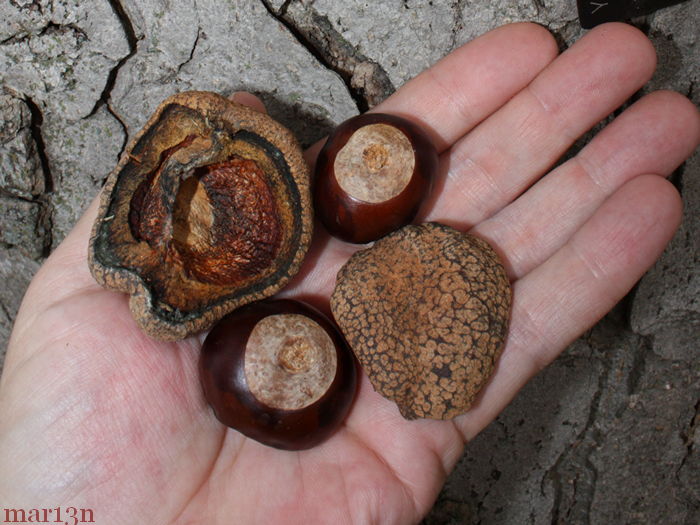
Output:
x,y
426,311
372,175
279,372
209,209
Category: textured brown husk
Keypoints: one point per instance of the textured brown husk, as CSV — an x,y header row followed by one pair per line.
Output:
x,y
426,311
173,295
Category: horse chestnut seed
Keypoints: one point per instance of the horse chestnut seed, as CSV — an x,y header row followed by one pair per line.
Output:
x,y
372,176
279,372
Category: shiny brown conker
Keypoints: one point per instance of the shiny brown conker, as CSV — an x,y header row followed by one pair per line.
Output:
x,y
372,175
279,372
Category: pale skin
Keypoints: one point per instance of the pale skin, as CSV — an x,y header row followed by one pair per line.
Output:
x,y
95,414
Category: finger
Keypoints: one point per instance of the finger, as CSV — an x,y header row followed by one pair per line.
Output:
x,y
469,84
248,99
654,136
559,300
493,164
473,81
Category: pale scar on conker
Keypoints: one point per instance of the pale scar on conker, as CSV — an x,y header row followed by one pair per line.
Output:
x,y
426,311
208,209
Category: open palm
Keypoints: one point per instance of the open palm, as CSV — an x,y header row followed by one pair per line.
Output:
x,y
94,414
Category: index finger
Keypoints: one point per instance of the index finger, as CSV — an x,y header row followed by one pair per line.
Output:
x,y
469,84
463,88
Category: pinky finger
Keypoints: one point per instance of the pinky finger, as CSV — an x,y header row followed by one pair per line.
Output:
x,y
557,301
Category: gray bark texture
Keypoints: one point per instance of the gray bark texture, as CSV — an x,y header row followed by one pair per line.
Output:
x,y
606,434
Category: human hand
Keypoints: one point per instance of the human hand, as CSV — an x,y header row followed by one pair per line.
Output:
x,y
95,414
